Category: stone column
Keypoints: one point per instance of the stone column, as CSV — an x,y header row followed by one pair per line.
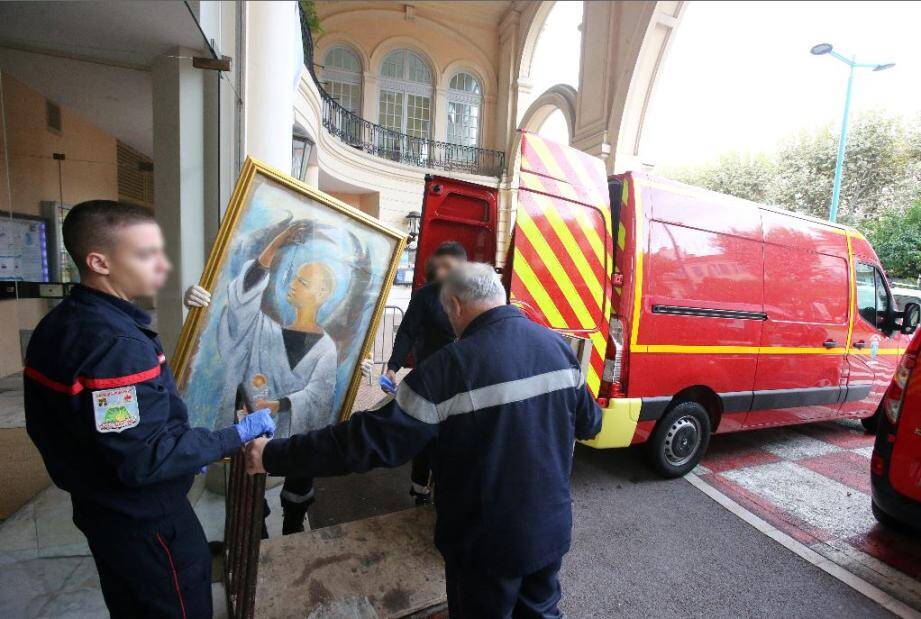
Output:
x,y
623,47
440,115
272,71
370,96
179,180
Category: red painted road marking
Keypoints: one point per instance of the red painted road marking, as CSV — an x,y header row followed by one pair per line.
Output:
x,y
837,434
847,467
893,548
813,483
789,524
725,454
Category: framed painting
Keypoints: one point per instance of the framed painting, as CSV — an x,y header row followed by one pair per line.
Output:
x,y
298,282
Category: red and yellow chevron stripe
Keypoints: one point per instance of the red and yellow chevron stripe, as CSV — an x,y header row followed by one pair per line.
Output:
x,y
562,264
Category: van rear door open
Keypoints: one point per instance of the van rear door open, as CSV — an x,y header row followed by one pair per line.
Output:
x,y
561,257
454,210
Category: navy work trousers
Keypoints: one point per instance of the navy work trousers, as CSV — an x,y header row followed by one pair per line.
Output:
x,y
156,570
475,594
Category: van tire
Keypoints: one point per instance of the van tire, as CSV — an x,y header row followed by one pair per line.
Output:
x,y
679,440
885,519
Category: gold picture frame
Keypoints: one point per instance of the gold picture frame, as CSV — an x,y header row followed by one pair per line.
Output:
x,y
199,320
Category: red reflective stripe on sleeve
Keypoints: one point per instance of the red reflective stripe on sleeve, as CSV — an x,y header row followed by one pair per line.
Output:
x,y
92,383
41,379
120,381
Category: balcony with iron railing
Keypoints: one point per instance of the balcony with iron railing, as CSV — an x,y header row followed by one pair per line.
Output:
x,y
377,140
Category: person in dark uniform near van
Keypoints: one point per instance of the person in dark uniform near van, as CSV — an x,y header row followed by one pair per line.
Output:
x,y
501,408
424,330
103,410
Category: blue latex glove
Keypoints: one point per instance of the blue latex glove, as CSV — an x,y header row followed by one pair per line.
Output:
x,y
256,424
387,385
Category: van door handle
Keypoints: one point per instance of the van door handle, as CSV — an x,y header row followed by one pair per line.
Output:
x,y
830,343
860,344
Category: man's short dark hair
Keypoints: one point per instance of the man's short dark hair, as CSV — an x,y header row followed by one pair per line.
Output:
x,y
92,226
451,248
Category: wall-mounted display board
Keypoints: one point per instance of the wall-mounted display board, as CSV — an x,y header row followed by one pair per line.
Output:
x,y
23,248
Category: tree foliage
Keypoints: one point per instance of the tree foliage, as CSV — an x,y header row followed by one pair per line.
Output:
x,y
881,181
896,237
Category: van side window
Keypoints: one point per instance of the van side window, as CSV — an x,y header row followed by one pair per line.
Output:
x,y
866,292
873,299
883,300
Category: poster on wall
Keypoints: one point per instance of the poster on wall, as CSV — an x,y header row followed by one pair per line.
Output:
x,y
298,282
23,249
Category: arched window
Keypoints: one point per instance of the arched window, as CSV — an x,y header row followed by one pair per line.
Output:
x,y
405,103
464,101
342,78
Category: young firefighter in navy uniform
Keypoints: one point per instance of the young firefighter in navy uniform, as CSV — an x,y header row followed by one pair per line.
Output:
x,y
500,408
102,408
424,330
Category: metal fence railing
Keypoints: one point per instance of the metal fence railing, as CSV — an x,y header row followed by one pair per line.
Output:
x,y
383,339
407,149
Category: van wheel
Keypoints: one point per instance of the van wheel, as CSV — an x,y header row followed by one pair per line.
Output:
x,y
870,424
679,440
885,519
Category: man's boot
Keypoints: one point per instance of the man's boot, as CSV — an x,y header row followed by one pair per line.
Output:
x,y
293,515
422,494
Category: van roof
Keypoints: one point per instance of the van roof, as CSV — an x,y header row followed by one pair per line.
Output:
x,y
679,187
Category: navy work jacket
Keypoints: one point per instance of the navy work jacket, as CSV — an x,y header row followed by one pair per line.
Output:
x,y
425,326
501,408
103,410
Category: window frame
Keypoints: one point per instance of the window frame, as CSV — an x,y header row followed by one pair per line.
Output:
x,y
344,77
408,89
466,98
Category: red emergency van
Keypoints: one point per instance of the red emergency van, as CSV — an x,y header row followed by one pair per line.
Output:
x,y
896,463
700,313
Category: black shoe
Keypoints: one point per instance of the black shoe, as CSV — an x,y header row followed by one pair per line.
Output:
x,y
422,498
293,517
292,523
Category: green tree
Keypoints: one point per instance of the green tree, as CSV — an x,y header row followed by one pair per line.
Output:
x,y
896,237
734,174
882,170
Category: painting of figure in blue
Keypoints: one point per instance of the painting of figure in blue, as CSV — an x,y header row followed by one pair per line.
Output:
x,y
299,285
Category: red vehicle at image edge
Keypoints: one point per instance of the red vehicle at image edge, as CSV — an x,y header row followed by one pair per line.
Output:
x,y
896,463
695,312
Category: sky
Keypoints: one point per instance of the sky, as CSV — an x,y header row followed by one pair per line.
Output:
x,y
739,75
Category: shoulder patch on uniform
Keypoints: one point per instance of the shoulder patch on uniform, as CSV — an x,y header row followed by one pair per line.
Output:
x,y
116,409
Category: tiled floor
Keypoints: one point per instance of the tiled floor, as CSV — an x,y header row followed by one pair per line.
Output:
x,y
813,483
46,565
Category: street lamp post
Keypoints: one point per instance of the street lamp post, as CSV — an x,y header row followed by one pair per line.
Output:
x,y
826,48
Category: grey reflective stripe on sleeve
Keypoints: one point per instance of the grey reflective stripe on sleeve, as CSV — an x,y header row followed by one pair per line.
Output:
x,y
415,405
485,397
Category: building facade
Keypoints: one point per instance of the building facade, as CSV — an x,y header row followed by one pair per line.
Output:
x,y
159,103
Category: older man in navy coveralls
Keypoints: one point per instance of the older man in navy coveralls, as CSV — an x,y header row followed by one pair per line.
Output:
x,y
501,408
102,408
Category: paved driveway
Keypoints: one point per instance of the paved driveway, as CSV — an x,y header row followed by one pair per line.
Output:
x,y
813,483
646,547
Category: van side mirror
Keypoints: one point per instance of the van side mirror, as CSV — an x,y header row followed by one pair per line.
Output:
x,y
911,316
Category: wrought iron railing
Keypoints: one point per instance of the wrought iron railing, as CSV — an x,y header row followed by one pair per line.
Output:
x,y
386,143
